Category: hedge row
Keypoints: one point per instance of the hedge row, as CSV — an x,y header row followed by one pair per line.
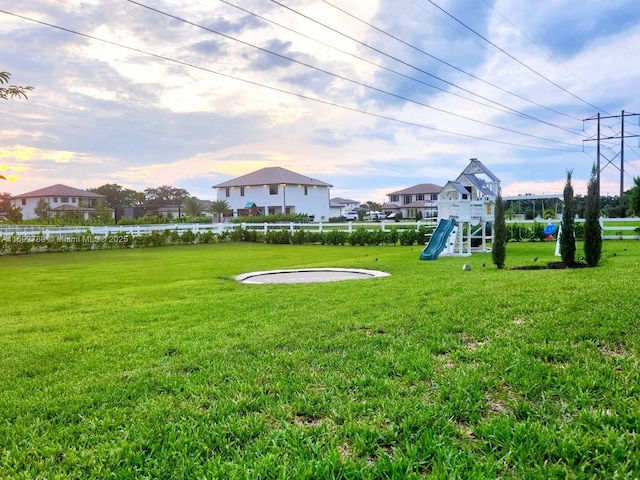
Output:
x,y
87,241
360,236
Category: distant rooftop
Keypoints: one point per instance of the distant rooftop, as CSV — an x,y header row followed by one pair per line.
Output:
x,y
426,188
272,176
59,190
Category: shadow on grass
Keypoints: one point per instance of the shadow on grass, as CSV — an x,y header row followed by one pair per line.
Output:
x,y
551,266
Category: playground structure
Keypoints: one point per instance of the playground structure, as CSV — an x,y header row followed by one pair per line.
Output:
x,y
466,212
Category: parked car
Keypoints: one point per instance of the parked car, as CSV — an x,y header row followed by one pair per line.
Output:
x,y
394,217
350,216
374,215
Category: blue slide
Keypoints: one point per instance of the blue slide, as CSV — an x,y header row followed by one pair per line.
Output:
x,y
438,240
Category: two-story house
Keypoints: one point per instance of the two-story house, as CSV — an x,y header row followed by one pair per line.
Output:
x,y
60,198
422,197
274,190
340,206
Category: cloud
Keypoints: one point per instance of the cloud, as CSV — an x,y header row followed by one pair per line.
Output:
x,y
224,25
142,120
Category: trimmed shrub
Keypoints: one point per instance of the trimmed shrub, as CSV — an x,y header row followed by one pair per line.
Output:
x,y
592,230
500,236
567,236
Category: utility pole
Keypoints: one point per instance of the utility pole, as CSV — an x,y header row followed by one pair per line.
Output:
x,y
599,138
622,155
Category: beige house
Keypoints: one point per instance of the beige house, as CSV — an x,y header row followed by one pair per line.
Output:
x,y
60,198
422,197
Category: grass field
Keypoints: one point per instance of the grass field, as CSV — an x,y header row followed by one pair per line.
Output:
x,y
154,363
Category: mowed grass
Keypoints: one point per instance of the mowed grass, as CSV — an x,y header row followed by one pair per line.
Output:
x,y
155,363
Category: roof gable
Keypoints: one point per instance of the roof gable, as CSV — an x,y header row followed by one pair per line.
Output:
x,y
59,190
272,176
476,166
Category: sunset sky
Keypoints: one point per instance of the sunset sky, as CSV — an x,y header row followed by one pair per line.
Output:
x,y
369,96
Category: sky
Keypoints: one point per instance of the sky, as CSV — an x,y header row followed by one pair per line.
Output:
x,y
370,96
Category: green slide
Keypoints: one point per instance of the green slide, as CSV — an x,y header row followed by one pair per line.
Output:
x,y
438,240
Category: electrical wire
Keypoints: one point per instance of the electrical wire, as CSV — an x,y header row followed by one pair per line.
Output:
x,y
545,51
342,77
280,90
475,77
514,58
388,55
506,109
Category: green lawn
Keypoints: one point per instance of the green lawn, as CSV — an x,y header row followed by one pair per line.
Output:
x,y
154,363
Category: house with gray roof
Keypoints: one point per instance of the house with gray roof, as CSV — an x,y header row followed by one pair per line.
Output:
x,y
408,201
274,190
340,206
61,199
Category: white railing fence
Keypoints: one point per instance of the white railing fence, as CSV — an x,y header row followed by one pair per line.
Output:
x,y
613,228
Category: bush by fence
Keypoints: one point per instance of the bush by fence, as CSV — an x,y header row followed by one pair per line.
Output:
x,y
18,239
41,243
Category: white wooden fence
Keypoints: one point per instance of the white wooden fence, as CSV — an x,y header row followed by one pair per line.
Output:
x,y
611,228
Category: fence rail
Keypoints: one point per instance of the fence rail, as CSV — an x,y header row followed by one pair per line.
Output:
x,y
612,228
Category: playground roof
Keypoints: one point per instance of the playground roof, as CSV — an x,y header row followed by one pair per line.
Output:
x,y
458,186
476,166
479,184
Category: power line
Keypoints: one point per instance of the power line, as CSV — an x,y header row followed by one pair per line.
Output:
x,y
277,89
342,77
505,109
475,77
545,51
390,56
514,58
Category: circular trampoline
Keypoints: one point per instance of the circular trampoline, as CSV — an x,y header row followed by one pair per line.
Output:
x,y
309,275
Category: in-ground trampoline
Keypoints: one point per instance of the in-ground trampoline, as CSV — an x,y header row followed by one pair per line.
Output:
x,y
309,275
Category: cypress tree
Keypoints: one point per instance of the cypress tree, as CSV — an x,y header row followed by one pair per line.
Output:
x,y
592,230
567,236
498,247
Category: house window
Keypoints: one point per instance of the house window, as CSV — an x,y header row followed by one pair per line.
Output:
x,y
227,192
242,191
55,199
273,189
64,199
434,196
24,201
420,197
306,190
394,198
93,202
73,199
407,199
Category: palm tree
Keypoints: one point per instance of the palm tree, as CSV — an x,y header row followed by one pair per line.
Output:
x,y
219,208
12,91
192,207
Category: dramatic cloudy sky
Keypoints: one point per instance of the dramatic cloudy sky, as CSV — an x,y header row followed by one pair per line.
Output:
x,y
369,95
